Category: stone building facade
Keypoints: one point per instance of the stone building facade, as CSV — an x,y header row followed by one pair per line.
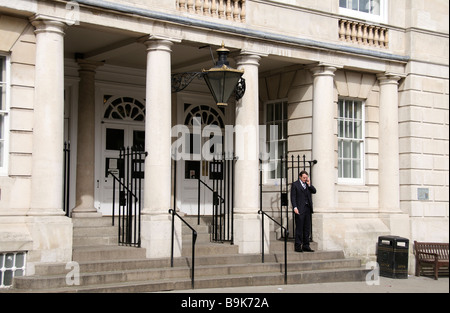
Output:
x,y
360,86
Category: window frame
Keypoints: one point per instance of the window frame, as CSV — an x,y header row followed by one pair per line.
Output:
x,y
14,269
352,180
382,18
284,120
5,112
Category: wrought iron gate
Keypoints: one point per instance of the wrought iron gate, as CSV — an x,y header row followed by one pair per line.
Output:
x,y
221,172
130,174
291,166
295,165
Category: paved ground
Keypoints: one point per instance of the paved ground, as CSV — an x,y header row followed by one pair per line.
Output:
x,y
386,285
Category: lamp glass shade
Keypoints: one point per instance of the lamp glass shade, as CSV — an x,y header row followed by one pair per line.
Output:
x,y
221,82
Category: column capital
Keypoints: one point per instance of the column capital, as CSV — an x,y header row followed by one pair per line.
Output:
x,y
389,78
156,42
48,24
88,66
323,69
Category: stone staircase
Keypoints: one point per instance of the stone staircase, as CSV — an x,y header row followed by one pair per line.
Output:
x,y
106,267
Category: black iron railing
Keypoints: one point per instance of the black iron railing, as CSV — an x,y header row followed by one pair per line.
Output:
x,y
129,180
66,187
221,171
296,164
174,213
285,235
194,239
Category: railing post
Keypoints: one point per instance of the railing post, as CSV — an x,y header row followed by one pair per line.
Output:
x,y
194,239
198,200
260,208
262,234
286,234
172,235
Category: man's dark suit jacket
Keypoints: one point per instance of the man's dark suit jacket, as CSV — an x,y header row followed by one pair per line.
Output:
x,y
300,196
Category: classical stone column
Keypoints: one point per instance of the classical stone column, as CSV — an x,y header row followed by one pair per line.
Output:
x,y
247,223
156,220
48,128
323,138
50,230
85,183
388,155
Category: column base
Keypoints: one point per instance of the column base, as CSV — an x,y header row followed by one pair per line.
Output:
x,y
247,233
51,240
357,233
156,235
80,211
86,214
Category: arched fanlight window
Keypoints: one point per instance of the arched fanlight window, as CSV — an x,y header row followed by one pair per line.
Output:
x,y
124,108
208,115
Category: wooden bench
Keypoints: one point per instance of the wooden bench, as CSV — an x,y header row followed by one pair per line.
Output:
x,y
431,254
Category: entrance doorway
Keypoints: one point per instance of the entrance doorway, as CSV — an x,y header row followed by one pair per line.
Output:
x,y
114,138
194,165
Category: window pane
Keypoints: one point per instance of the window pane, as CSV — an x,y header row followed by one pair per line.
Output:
x,y
375,7
114,139
278,109
8,276
343,3
2,97
348,130
139,139
341,108
20,259
347,169
9,260
18,273
356,169
270,112
348,109
364,6
356,150
358,110
285,109
347,149
341,129
280,130
358,130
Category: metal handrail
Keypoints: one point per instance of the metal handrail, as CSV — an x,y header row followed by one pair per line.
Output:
x,y
194,239
115,178
286,234
198,197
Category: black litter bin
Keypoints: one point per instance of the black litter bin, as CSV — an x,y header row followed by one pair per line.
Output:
x,y
392,256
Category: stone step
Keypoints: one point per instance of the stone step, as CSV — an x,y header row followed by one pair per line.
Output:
x,y
209,248
106,267
219,281
103,252
157,273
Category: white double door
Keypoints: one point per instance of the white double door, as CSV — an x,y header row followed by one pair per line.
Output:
x,y
197,195
114,137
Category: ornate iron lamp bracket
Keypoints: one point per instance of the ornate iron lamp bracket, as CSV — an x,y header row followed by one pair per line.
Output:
x,y
182,80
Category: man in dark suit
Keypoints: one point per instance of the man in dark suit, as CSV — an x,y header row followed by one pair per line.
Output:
x,y
301,200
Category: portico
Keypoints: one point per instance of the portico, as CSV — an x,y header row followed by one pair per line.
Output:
x,y
160,115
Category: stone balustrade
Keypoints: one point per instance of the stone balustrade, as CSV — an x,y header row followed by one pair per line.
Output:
x,y
232,10
364,34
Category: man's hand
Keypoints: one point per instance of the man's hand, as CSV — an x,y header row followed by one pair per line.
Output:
x,y
296,211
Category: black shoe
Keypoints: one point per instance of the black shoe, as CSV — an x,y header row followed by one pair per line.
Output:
x,y
308,249
299,250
